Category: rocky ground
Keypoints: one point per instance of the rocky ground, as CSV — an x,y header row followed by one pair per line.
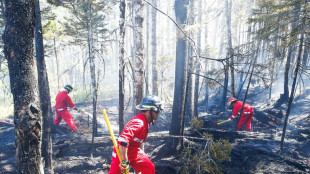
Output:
x,y
255,152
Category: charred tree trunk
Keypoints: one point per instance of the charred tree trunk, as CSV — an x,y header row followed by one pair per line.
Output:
x,y
92,70
154,51
189,101
121,82
18,49
198,65
57,63
230,52
272,77
223,101
285,96
45,99
180,79
290,51
298,61
139,51
248,37
191,68
147,59
206,99
306,54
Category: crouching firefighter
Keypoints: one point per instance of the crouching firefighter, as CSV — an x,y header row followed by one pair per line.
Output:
x,y
246,115
62,101
133,135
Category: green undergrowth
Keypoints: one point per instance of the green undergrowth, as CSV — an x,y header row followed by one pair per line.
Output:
x,y
85,95
204,157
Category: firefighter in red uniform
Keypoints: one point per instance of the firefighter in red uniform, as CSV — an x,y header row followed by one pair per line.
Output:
x,y
62,101
133,135
246,116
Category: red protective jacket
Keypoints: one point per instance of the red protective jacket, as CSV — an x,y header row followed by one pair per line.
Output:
x,y
63,100
246,115
247,109
134,134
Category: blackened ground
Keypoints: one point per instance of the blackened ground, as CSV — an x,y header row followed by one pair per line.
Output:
x,y
255,152
7,148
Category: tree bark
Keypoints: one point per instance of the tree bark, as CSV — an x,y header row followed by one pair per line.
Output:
x,y
248,39
290,51
154,51
198,65
230,52
180,78
57,63
298,61
305,54
147,59
45,99
189,100
18,50
92,70
206,99
121,83
224,94
191,67
139,51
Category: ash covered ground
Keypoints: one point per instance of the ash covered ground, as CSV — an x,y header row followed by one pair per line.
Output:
x,y
252,152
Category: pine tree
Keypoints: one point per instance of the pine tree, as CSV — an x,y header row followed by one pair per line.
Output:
x,y
86,26
281,26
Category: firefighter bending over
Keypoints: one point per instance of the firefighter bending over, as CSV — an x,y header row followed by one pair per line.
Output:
x,y
246,116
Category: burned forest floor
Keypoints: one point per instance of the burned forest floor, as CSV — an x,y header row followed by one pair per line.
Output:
x,y
252,152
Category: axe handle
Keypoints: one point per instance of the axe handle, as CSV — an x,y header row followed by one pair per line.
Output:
x,y
223,122
112,137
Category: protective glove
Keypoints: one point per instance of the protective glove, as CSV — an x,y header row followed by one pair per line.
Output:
x,y
124,166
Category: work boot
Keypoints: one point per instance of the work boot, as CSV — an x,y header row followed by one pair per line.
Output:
x,y
75,131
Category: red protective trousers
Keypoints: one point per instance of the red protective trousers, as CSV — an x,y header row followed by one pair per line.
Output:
x,y
139,161
67,117
62,101
134,134
245,120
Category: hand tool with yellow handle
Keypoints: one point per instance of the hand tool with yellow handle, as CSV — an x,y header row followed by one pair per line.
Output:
x,y
216,124
112,137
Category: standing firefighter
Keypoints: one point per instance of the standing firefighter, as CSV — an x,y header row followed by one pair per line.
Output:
x,y
246,116
62,101
133,135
